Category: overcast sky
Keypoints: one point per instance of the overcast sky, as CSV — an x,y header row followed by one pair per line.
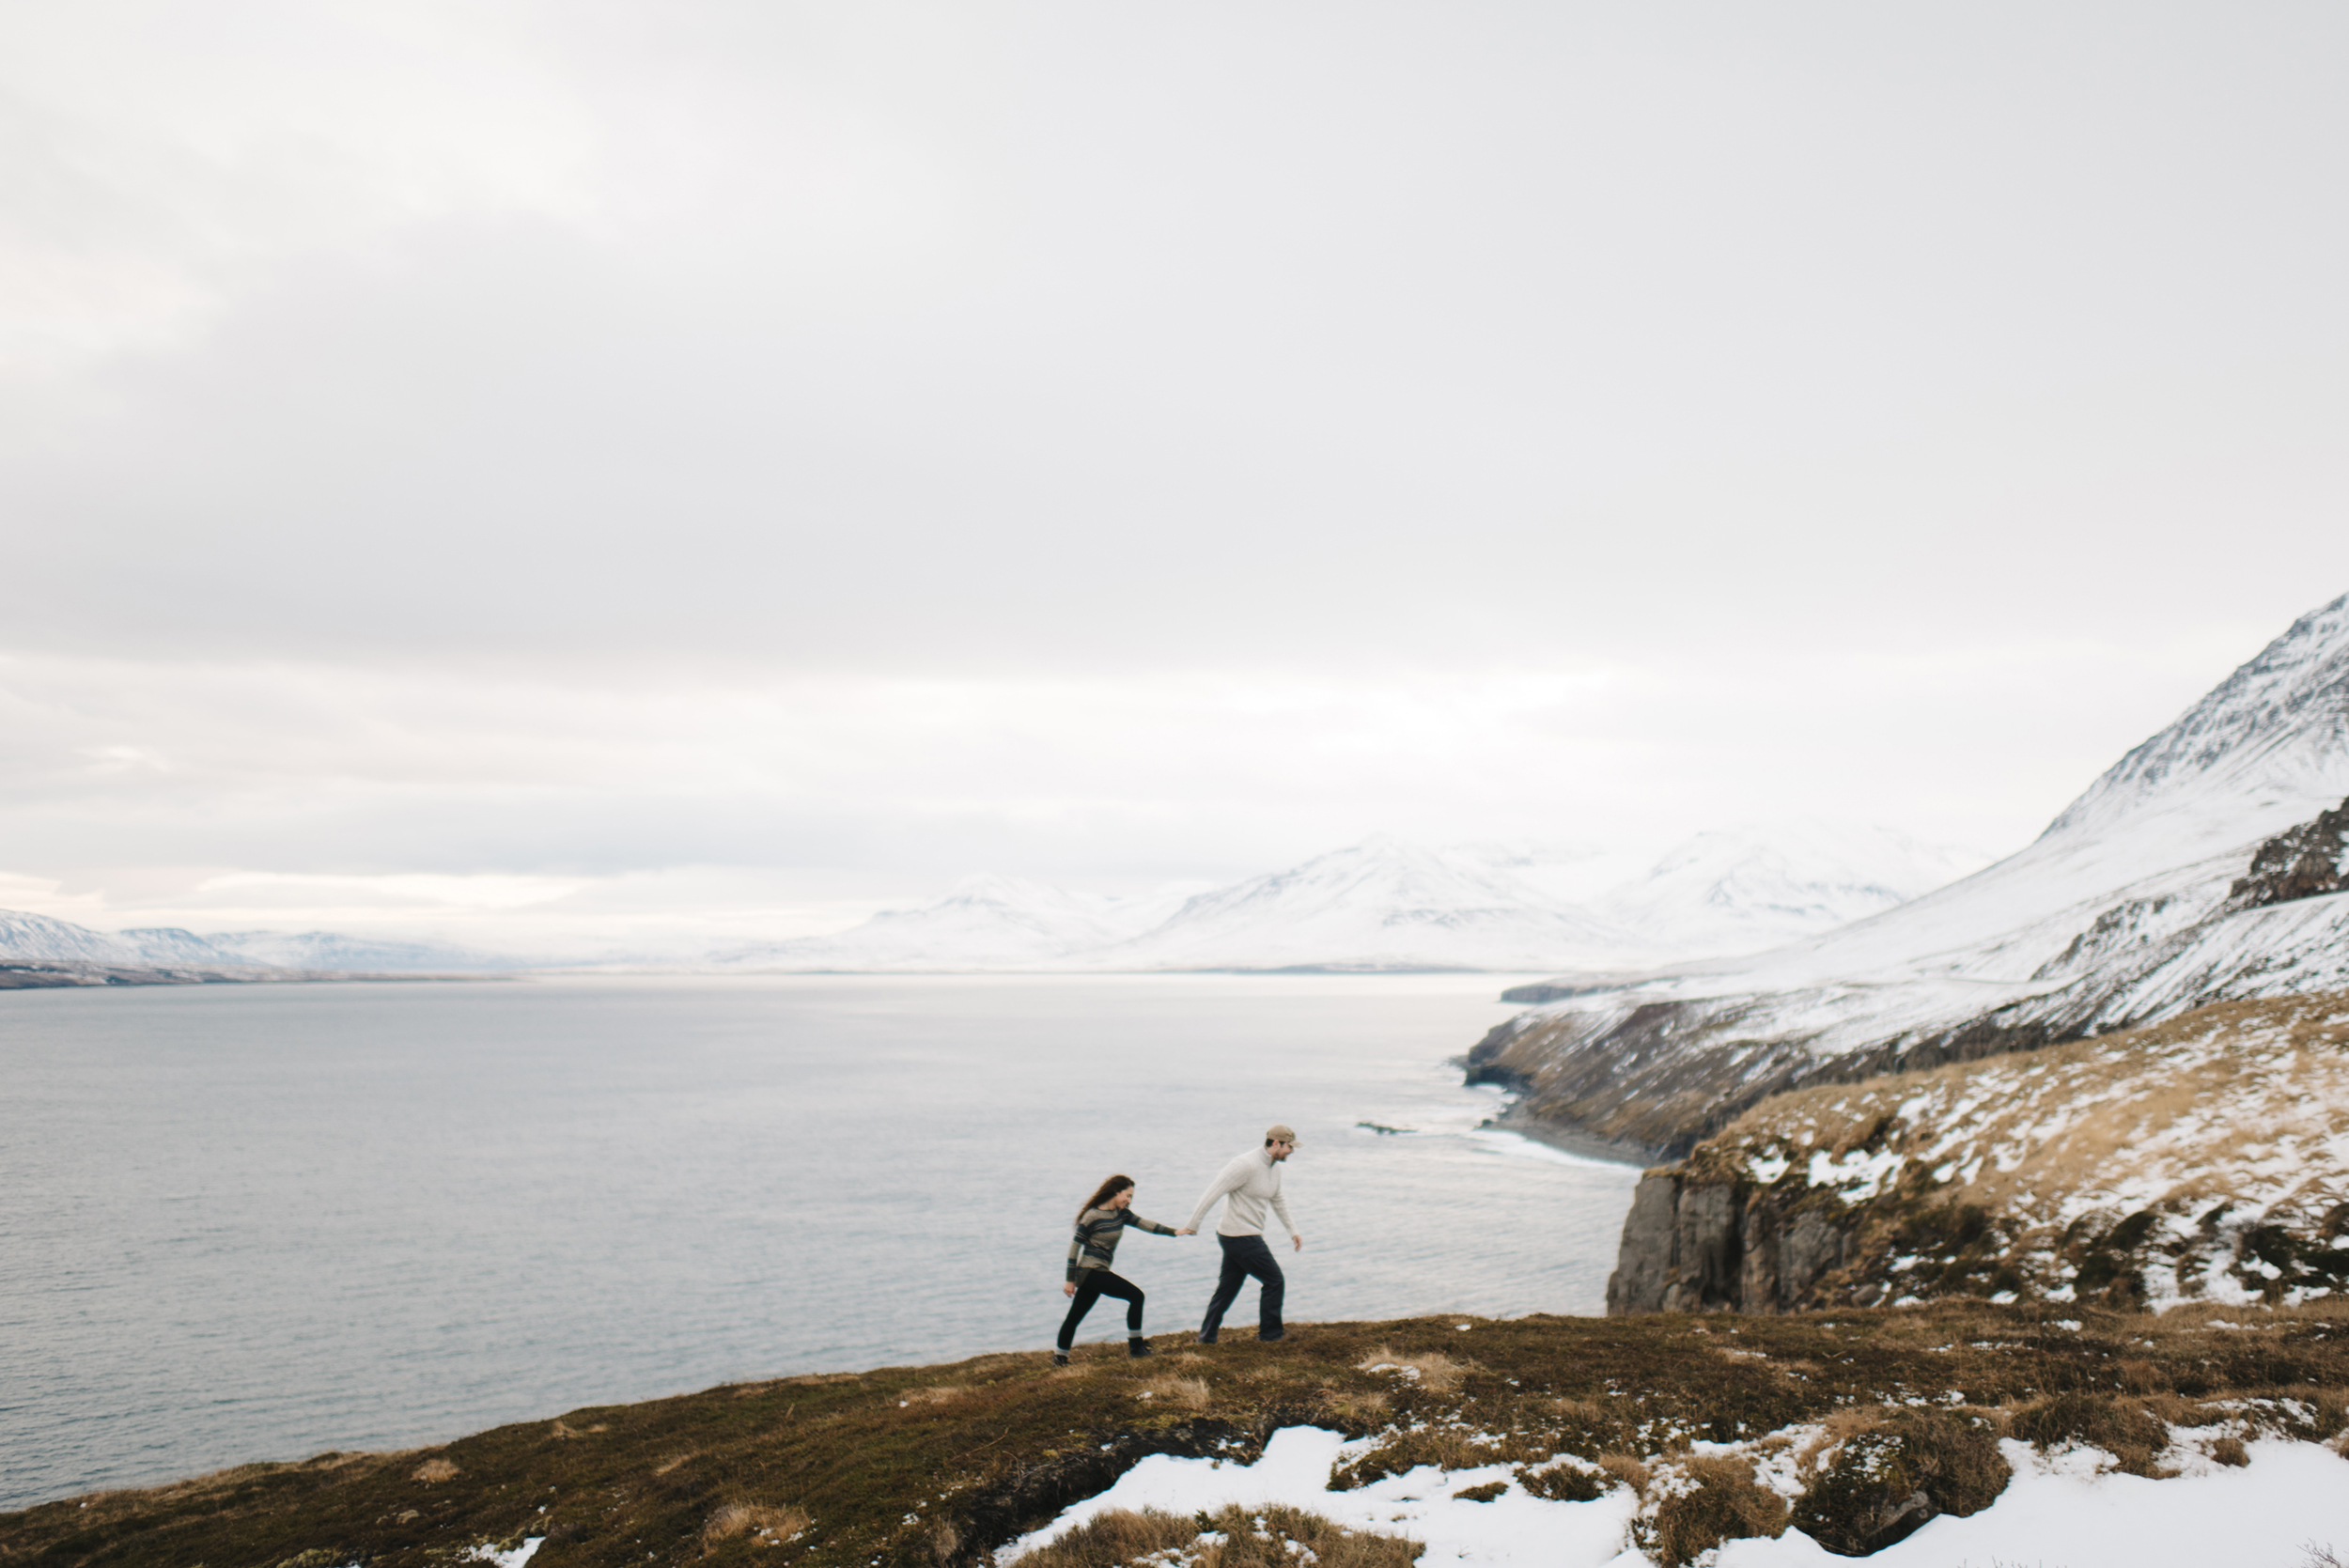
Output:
x,y
616,465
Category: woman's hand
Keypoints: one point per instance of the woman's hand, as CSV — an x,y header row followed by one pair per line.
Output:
x,y
1186,1231
1068,1289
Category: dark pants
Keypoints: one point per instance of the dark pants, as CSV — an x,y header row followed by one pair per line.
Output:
x,y
1093,1284
1244,1255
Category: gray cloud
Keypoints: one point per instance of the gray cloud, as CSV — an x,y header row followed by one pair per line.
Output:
x,y
534,437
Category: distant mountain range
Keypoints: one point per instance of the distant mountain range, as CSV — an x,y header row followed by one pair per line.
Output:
x,y
2206,866
1382,905
1388,904
40,938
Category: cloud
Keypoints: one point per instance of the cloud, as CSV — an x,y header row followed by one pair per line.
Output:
x,y
598,442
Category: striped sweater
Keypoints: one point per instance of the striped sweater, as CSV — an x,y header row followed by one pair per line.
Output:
x,y
1098,1231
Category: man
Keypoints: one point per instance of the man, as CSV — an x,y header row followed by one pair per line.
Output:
x,y
1248,1186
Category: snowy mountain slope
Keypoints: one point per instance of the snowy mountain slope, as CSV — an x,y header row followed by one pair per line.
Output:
x,y
1740,889
2119,913
170,944
334,951
41,938
984,923
1744,889
1385,904
1379,905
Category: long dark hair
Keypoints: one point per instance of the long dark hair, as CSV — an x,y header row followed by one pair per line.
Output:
x,y
1107,1190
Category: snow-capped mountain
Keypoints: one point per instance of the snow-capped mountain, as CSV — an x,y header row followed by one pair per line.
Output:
x,y
984,923
171,945
1742,889
1388,904
42,940
1379,905
2125,910
334,951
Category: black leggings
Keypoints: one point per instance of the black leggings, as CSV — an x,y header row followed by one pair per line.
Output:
x,y
1093,1284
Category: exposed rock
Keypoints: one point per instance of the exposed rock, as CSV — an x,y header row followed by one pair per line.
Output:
x,y
1692,1244
2302,863
2197,1159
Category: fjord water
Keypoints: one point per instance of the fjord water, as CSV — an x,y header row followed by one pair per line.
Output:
x,y
265,1221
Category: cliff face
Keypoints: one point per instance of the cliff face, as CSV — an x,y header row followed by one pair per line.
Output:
x,y
2204,1160
1693,1245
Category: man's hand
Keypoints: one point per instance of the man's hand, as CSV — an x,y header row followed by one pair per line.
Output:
x,y
1186,1231
1068,1289
1299,1240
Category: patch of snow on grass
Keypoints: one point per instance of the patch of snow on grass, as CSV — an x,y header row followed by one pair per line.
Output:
x,y
2067,1508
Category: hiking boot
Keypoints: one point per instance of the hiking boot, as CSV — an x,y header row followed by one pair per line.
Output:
x,y
1263,1338
1205,1336
1138,1348
1060,1357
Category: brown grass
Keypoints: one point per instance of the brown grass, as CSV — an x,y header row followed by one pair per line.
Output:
x,y
942,1393
1269,1537
666,1466
1624,1468
1446,1448
1189,1393
1725,1504
747,1518
1438,1374
433,1470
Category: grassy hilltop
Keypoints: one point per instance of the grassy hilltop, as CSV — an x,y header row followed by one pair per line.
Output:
x,y
934,1467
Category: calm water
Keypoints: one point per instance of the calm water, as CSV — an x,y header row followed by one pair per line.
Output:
x,y
265,1221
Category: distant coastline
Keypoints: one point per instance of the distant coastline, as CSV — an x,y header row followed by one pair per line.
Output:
x,y
33,974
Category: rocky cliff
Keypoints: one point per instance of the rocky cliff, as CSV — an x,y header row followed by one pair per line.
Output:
x,y
2204,1160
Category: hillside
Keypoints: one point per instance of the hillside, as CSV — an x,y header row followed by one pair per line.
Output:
x,y
1990,1432
2203,866
2200,1160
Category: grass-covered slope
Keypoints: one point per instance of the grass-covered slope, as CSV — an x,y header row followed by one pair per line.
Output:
x,y
1857,1415
2205,1158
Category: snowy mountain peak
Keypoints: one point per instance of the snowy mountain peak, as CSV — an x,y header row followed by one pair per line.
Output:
x,y
42,939
2277,726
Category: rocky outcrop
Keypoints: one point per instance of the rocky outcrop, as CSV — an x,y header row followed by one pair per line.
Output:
x,y
2302,863
1691,1244
2199,1160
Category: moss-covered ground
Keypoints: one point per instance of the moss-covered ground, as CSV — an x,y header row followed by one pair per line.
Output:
x,y
934,1465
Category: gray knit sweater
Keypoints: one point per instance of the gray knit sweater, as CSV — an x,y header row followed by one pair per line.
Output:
x,y
1099,1232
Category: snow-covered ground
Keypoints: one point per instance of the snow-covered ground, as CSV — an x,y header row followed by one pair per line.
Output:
x,y
2065,1510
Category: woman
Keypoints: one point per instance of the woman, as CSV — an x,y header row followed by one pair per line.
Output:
x,y
1100,1224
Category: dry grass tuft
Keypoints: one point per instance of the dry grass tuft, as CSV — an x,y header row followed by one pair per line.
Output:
x,y
1725,1504
1584,1410
1624,1468
1366,1406
673,1462
1189,1393
1435,1371
1267,1538
434,1470
942,1393
2123,1429
1446,1448
757,1519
